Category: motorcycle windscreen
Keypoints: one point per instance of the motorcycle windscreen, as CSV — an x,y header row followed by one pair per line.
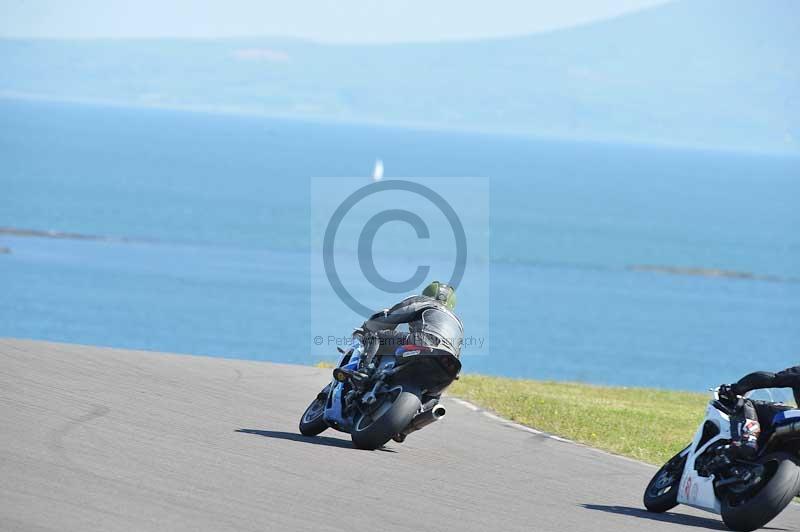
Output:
x,y
446,327
773,395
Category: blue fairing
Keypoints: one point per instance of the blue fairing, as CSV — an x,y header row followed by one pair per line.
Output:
x,y
333,414
787,416
333,410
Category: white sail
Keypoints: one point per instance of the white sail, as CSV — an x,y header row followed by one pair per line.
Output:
x,y
377,172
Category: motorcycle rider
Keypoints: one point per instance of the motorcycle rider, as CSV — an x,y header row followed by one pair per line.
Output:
x,y
753,416
430,319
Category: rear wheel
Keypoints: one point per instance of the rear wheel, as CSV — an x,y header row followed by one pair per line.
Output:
x,y
781,483
372,430
661,493
312,422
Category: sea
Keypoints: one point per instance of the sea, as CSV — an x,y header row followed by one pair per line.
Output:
x,y
198,233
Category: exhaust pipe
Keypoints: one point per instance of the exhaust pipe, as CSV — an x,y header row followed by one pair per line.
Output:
x,y
424,419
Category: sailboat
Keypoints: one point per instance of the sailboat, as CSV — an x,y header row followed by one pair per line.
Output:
x,y
377,172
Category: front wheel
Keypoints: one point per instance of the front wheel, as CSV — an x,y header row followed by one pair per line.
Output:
x,y
312,422
661,493
372,430
781,483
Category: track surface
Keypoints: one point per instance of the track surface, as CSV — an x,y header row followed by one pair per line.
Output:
x,y
106,439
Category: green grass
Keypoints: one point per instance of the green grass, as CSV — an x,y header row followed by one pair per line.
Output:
x,y
646,424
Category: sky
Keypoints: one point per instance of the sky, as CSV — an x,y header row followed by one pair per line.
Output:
x,y
360,21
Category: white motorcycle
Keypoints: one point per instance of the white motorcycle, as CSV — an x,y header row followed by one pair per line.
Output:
x,y
747,494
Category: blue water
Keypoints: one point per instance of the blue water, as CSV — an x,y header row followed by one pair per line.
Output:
x,y
217,212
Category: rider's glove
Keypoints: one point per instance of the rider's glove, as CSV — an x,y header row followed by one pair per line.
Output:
x,y
727,394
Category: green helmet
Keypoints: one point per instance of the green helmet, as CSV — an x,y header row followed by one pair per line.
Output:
x,y
443,293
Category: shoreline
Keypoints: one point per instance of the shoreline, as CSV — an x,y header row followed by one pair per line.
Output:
x,y
687,271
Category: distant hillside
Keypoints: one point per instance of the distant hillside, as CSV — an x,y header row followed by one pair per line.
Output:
x,y
712,73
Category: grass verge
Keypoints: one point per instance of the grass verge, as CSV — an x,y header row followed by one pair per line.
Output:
x,y
642,423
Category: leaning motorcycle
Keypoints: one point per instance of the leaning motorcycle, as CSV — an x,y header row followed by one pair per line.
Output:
x,y
388,397
746,493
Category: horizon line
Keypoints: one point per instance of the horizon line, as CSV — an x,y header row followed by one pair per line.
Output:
x,y
11,96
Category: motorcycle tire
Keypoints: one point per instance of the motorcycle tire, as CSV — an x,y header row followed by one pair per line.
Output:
x,y
313,422
373,431
661,493
763,506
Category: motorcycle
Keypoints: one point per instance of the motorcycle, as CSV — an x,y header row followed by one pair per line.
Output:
x,y
746,493
389,397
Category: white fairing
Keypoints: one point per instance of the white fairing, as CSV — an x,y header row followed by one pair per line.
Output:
x,y
695,490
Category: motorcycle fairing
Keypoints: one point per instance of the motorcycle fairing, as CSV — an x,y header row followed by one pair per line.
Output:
x,y
333,414
787,416
695,490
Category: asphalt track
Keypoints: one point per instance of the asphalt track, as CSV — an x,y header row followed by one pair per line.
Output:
x,y
106,439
